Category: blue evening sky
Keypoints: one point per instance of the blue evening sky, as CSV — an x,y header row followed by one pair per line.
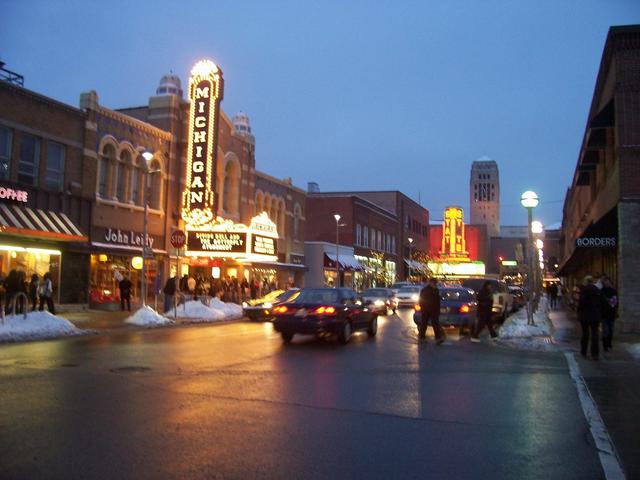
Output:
x,y
354,95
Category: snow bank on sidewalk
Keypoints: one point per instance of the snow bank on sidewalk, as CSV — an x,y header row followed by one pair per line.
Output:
x,y
197,311
147,317
37,325
231,310
516,325
515,332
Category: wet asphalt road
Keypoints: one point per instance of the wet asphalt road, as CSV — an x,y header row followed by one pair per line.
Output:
x,y
231,401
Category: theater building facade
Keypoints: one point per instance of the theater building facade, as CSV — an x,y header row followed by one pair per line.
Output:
x,y
72,193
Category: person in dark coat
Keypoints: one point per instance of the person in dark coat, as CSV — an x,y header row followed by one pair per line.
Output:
x,y
33,291
590,307
169,291
484,298
46,293
609,313
430,308
125,292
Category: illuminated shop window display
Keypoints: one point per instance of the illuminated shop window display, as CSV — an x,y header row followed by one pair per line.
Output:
x,y
30,261
108,270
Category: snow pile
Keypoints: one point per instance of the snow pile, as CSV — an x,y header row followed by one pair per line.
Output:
x,y
516,325
231,310
195,310
515,332
634,350
147,317
37,325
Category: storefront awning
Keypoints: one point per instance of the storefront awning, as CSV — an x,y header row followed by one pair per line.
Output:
x,y
19,220
347,262
125,248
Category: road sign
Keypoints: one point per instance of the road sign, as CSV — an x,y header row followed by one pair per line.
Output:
x,y
178,238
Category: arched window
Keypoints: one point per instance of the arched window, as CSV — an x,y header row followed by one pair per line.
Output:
x,y
281,217
259,203
231,187
155,185
297,216
105,162
134,185
267,205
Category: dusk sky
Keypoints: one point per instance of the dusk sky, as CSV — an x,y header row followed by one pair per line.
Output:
x,y
354,95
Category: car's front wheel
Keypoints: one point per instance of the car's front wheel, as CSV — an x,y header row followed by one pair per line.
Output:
x,y
287,337
345,333
373,327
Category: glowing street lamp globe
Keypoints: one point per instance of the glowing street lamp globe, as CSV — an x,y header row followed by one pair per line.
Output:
x,y
529,199
537,227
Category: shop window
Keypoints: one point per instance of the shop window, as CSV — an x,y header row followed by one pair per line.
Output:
x,y
29,159
27,261
6,138
54,174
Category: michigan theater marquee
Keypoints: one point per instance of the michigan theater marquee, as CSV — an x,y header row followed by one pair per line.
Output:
x,y
209,235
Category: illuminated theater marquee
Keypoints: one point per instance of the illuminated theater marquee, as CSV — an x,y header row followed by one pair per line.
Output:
x,y
205,93
209,235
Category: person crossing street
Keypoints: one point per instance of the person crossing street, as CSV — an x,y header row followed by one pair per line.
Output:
x,y
430,308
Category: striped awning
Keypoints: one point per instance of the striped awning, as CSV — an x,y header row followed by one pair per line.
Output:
x,y
35,222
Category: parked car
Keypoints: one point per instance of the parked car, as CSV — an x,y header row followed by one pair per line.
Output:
x,y
408,295
260,309
398,285
321,311
519,297
457,307
382,300
502,299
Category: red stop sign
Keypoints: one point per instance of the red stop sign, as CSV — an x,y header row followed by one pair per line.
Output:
x,y
178,238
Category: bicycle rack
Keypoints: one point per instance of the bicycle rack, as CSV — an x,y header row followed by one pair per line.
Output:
x,y
13,305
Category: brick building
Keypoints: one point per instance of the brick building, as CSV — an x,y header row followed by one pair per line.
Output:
x,y
45,198
601,214
377,227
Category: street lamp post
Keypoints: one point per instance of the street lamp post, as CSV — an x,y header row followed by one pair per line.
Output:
x,y
409,270
148,156
529,200
337,217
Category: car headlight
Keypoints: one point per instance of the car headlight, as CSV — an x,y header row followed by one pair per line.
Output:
x,y
267,305
415,297
378,303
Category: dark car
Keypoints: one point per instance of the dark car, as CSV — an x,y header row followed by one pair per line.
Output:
x,y
519,297
260,309
457,307
380,300
317,311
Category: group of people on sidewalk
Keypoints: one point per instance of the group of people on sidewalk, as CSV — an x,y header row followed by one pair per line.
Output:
x,y
14,289
430,308
597,305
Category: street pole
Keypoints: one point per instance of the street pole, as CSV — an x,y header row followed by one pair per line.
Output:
x,y
530,259
409,263
337,252
143,286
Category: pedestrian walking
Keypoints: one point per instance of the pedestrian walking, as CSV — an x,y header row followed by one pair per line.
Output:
x,y
33,291
552,294
430,308
22,288
169,291
46,293
559,294
609,313
125,286
484,299
590,307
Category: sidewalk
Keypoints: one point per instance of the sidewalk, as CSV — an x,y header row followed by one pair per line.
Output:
x,y
614,385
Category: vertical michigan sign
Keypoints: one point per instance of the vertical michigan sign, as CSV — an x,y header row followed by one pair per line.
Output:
x,y
205,92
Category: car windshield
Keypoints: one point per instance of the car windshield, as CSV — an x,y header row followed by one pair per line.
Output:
x,y
318,295
289,295
409,290
476,283
375,292
458,295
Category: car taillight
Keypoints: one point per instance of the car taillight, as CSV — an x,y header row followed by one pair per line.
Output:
x,y
464,309
325,310
417,308
281,309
